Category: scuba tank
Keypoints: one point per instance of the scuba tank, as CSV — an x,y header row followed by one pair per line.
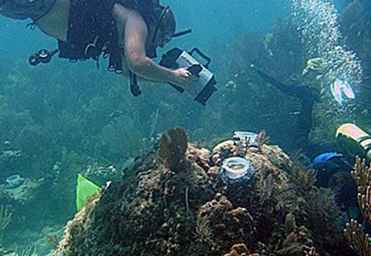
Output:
x,y
354,140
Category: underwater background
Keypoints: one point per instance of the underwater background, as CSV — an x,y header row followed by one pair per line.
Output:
x,y
63,119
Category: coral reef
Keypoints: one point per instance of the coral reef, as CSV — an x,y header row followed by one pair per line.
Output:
x,y
174,203
240,250
362,176
358,238
25,192
29,250
173,146
5,252
5,218
25,205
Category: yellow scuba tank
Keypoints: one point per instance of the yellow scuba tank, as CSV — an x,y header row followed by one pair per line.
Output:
x,y
354,140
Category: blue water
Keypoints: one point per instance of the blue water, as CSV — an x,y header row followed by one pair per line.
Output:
x,y
66,118
210,20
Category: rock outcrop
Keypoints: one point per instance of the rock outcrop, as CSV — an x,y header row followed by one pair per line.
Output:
x,y
173,202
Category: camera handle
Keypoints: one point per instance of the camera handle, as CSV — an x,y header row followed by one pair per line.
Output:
x,y
202,55
195,70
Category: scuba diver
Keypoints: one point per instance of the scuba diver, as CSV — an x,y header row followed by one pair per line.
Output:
x,y
305,94
126,31
333,171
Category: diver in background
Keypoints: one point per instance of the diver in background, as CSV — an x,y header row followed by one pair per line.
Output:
x,y
333,170
307,97
128,31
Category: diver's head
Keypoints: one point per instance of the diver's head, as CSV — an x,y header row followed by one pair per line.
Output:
x,y
165,28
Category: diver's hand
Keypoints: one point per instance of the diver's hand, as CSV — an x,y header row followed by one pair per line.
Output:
x,y
181,77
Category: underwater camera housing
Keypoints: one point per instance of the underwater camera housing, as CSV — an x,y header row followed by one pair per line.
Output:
x,y
203,87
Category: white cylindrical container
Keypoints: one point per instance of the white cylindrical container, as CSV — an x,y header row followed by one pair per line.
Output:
x,y
235,169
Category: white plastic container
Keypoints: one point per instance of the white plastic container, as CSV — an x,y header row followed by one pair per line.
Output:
x,y
237,169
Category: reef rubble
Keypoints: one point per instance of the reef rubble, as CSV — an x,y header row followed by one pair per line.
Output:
x,y
173,202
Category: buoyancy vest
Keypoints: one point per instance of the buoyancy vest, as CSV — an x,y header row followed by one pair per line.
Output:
x,y
92,30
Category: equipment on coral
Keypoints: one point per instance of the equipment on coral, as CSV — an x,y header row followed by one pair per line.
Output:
x,y
236,169
14,181
341,91
332,170
354,140
201,88
325,157
84,191
237,146
244,140
249,138
327,164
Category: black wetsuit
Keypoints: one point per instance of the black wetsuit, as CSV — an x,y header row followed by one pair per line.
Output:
x,y
306,95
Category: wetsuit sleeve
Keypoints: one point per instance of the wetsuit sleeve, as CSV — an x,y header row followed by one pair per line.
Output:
x,y
280,86
302,92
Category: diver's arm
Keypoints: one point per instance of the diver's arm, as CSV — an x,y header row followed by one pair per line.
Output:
x,y
280,86
135,37
300,91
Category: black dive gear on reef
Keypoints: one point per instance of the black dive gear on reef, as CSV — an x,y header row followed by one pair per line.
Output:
x,y
204,86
